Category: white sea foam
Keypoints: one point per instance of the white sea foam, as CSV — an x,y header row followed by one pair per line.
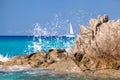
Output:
x,y
36,46
4,58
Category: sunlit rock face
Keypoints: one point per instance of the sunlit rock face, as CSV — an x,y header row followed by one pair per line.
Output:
x,y
98,44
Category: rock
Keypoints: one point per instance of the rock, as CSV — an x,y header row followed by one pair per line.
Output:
x,y
83,41
84,30
34,59
65,65
105,18
78,56
108,73
1,63
95,23
92,23
38,59
55,55
8,63
98,45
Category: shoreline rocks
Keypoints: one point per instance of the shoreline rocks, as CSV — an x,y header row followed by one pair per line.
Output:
x,y
96,52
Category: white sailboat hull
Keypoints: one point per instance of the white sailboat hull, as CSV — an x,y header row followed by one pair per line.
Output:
x,y
70,35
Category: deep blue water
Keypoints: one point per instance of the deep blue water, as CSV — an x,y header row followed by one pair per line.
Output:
x,y
17,45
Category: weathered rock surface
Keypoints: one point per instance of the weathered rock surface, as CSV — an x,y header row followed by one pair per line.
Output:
x,y
65,65
38,59
55,55
98,45
33,59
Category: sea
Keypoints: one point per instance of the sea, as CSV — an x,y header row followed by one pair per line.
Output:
x,y
11,46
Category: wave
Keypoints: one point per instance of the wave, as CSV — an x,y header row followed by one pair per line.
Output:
x,y
4,58
43,41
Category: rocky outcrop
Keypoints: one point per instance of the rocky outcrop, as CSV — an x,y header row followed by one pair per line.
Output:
x,y
37,58
57,59
98,45
34,59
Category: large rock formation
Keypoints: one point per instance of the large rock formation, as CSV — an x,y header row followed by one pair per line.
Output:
x,y
98,45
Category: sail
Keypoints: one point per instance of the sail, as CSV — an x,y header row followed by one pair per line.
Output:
x,y
71,29
71,33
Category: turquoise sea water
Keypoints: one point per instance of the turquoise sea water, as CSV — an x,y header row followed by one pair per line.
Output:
x,y
17,45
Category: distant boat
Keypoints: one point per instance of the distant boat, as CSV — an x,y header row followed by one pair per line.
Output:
x,y
71,33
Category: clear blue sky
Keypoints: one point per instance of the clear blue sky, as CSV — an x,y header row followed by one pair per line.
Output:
x,y
18,16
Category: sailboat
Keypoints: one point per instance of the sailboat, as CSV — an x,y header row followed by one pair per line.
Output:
x,y
71,33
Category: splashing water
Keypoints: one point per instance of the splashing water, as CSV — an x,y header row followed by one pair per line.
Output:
x,y
3,59
43,41
37,41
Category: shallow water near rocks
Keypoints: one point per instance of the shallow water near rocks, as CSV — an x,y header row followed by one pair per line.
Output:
x,y
43,74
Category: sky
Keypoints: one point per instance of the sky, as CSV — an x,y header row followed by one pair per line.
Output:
x,y
18,17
